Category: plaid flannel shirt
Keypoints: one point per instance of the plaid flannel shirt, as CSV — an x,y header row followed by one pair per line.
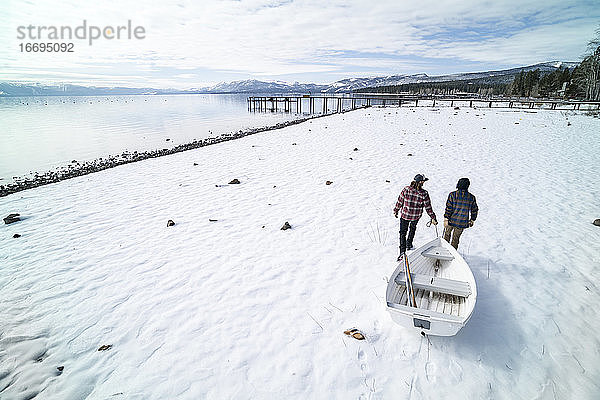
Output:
x,y
458,206
411,202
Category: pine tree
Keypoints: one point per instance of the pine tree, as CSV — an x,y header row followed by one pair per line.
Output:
x,y
519,84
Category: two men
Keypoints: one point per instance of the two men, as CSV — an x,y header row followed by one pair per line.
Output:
x,y
461,211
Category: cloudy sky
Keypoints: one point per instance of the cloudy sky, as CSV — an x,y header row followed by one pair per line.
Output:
x,y
194,43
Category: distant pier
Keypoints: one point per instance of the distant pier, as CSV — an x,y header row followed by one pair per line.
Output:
x,y
324,104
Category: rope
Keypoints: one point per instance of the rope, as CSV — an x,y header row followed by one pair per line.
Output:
x,y
436,229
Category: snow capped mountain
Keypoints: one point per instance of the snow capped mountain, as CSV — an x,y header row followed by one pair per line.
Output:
x,y
559,64
499,76
351,84
63,89
256,86
347,85
505,75
344,85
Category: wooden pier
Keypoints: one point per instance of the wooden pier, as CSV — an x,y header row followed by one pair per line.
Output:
x,y
334,104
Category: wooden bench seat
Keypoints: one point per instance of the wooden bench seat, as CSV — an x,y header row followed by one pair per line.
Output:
x,y
436,284
419,312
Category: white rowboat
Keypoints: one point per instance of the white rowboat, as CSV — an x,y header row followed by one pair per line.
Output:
x,y
444,289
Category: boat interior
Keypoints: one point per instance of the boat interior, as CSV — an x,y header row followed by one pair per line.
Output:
x,y
436,288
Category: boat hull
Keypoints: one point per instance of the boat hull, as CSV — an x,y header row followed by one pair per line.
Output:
x,y
445,290
423,321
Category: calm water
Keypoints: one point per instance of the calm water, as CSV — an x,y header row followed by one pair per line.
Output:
x,y
41,133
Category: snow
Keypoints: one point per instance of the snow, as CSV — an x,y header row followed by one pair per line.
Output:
x,y
239,309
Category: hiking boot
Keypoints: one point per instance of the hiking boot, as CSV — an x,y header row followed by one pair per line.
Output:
x,y
399,258
410,247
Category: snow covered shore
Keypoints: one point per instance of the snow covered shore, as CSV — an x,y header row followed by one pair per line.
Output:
x,y
89,167
237,308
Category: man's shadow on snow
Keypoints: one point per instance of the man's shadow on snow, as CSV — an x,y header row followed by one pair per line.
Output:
x,y
493,335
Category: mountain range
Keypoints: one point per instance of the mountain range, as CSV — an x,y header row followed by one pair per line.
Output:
x,y
256,86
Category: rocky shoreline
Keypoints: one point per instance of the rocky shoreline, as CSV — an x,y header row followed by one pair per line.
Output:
x,y
76,168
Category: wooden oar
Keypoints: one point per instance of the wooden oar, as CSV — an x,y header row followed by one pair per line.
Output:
x,y
409,285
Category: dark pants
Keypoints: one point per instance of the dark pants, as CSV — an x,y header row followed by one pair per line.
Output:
x,y
410,227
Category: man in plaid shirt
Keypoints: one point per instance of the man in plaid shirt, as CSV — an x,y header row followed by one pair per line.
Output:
x,y
410,204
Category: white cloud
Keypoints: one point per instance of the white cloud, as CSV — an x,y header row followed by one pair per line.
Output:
x,y
271,38
562,41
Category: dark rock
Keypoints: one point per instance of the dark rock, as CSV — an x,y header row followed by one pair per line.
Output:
x,y
409,154
328,183
351,158
286,226
597,222
568,124
195,164
168,140
457,108
387,181
105,347
356,149
234,182
212,220
61,368
12,218
170,223
294,144
16,236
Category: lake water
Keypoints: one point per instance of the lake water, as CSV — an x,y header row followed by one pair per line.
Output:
x,y
38,134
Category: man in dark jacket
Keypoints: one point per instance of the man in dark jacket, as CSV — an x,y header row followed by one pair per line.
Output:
x,y
410,204
461,212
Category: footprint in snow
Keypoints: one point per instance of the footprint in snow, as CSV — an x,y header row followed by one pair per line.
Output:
x,y
430,372
368,381
456,372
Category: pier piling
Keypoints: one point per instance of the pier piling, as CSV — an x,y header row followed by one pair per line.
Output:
x,y
293,103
